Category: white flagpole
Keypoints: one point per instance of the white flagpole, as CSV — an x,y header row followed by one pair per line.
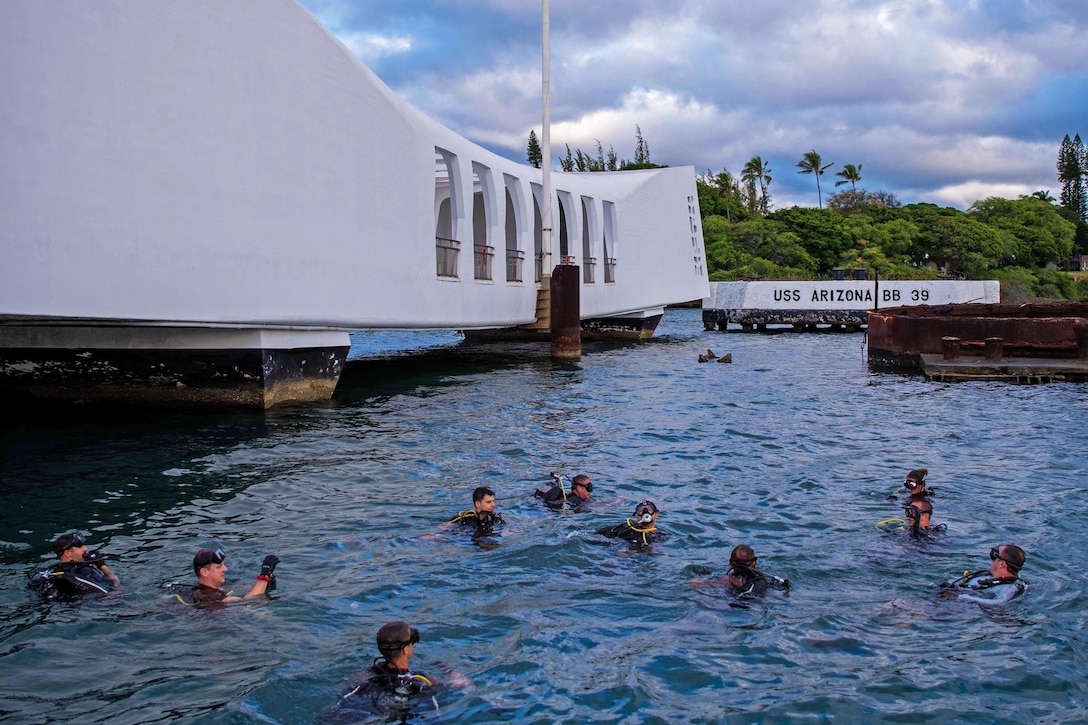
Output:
x,y
546,143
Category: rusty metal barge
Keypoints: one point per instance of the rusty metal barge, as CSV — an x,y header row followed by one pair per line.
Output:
x,y
1026,343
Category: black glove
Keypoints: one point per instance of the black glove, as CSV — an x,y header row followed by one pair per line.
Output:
x,y
268,566
95,558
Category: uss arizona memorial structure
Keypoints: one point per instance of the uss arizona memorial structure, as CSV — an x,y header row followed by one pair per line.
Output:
x,y
199,200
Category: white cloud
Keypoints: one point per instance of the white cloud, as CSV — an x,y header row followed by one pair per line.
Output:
x,y
967,193
370,47
938,99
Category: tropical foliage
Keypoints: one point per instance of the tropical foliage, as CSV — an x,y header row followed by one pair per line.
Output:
x,y
813,163
850,175
1010,240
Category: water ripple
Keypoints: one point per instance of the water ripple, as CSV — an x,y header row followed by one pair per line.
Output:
x,y
795,448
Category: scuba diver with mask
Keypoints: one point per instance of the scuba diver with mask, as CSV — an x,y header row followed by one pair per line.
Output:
x,y
999,584
557,497
77,572
210,569
640,531
743,579
915,483
390,688
390,673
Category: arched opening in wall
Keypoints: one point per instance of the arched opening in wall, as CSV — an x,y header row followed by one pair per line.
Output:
x,y
589,224
538,233
447,249
608,242
515,258
566,203
483,253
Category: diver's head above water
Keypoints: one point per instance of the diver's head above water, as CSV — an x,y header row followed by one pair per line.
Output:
x,y
646,513
742,557
916,481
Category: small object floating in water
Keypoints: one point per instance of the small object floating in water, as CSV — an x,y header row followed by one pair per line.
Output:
x,y
892,525
726,358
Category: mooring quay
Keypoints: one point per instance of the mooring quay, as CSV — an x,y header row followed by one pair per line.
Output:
x,y
1039,342
834,304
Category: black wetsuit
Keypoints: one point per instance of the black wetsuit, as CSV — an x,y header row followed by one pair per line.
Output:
x,y
404,683
639,537
981,587
749,582
201,595
556,498
483,524
387,691
71,579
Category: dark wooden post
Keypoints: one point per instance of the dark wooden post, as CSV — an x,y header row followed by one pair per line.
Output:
x,y
994,348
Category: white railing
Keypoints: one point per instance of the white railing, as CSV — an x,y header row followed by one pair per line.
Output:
x,y
515,259
482,258
447,252
589,264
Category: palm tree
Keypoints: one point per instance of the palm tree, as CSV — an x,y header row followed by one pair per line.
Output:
x,y
756,170
1043,195
850,174
812,163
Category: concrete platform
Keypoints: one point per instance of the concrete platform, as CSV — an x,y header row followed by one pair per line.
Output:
x,y
1010,369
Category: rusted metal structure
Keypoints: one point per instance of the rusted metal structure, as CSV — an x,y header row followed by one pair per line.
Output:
x,y
1032,342
566,329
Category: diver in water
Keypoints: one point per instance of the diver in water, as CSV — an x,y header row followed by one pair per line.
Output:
x,y
918,515
389,687
77,572
482,518
396,643
211,570
640,531
997,585
743,579
556,497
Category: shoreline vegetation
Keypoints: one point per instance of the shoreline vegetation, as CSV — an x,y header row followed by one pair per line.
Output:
x,y
1034,245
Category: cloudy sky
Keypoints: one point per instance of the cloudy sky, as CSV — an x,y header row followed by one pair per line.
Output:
x,y
943,101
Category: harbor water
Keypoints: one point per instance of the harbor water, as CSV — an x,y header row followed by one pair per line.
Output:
x,y
795,448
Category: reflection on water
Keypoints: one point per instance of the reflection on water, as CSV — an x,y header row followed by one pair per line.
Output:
x,y
794,448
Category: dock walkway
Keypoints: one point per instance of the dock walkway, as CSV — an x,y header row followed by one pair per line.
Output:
x,y
1012,369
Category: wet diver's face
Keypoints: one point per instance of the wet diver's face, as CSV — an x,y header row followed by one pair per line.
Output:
x,y
213,575
485,504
